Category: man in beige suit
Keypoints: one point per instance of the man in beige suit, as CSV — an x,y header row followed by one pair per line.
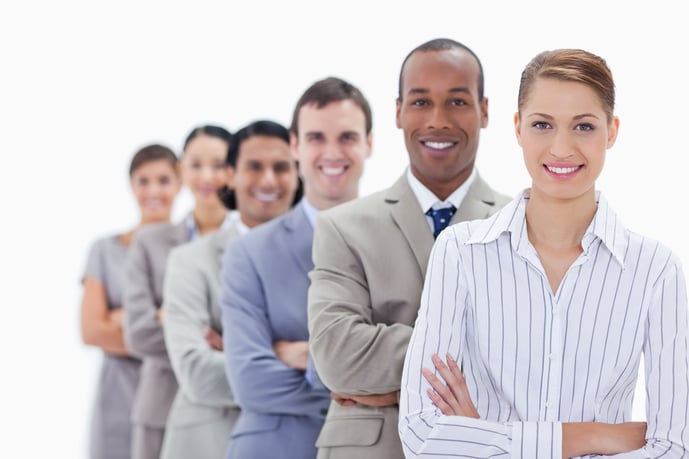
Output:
x,y
370,255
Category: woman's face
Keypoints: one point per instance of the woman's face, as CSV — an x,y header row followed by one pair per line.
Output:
x,y
155,185
203,169
564,134
265,179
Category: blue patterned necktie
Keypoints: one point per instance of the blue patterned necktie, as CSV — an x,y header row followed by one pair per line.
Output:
x,y
441,218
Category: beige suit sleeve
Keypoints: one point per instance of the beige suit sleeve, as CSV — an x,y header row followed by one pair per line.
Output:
x,y
352,353
188,293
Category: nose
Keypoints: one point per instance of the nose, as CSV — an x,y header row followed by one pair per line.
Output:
x,y
331,151
207,173
268,178
439,118
562,146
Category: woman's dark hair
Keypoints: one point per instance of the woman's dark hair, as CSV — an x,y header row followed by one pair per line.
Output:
x,y
265,128
150,153
209,130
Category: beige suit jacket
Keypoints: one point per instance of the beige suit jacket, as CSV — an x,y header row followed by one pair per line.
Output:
x,y
370,258
204,411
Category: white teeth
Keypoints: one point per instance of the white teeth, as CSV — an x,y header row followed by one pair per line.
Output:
x,y
265,197
438,145
562,170
333,170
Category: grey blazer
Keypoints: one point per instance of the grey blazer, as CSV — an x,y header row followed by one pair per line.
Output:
x,y
143,295
370,259
204,410
263,300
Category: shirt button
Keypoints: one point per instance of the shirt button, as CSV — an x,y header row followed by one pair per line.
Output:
x,y
552,356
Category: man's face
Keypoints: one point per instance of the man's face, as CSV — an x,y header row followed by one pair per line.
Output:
x,y
331,147
441,116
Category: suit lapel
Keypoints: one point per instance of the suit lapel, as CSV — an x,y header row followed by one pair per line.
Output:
x,y
410,219
477,204
299,235
219,241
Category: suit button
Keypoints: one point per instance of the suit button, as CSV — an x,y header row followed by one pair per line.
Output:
x,y
324,411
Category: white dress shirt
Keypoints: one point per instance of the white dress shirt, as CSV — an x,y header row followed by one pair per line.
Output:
x,y
533,359
428,200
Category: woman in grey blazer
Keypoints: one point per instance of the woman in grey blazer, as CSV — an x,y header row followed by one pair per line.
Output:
x,y
153,177
264,184
203,172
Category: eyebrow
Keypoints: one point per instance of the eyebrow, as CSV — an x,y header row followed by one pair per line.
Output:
x,y
461,89
550,117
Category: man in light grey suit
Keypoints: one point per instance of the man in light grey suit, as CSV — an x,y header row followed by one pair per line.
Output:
x,y
263,185
265,282
370,255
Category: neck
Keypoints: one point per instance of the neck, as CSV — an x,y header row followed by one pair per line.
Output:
x,y
559,223
210,218
325,202
442,189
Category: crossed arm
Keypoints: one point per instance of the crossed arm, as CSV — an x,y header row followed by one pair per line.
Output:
x,y
449,393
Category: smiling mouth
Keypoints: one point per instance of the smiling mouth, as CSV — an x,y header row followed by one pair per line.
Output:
x,y
333,170
266,197
438,145
562,170
153,204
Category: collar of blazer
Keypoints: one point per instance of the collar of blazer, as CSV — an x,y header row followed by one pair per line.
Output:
x,y
299,232
411,220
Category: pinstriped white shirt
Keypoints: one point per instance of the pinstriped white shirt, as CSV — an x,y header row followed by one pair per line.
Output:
x,y
533,359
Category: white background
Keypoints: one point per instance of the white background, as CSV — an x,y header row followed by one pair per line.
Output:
x,y
84,84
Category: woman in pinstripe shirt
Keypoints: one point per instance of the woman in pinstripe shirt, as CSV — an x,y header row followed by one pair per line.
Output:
x,y
548,306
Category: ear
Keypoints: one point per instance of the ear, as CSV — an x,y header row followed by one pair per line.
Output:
x,y
613,129
484,112
398,108
294,145
369,145
518,128
230,176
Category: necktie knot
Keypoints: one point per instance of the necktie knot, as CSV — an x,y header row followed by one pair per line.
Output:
x,y
441,218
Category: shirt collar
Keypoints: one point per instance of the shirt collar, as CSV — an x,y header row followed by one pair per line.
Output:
x,y
605,227
309,210
193,229
428,200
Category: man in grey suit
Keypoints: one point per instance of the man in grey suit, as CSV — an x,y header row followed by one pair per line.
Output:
x,y
265,282
263,185
370,255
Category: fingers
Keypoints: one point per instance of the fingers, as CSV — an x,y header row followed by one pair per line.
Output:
x,y
441,401
452,389
342,400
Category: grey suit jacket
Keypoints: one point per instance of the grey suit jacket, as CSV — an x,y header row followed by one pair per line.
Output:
x,y
143,294
370,260
204,410
263,300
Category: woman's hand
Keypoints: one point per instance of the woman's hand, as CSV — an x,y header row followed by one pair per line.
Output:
x,y
451,396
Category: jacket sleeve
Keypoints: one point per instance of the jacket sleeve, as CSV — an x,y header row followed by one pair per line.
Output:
x,y
143,333
353,355
261,382
187,294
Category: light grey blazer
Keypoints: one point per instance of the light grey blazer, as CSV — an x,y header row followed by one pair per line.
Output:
x,y
370,259
143,294
204,410
263,300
